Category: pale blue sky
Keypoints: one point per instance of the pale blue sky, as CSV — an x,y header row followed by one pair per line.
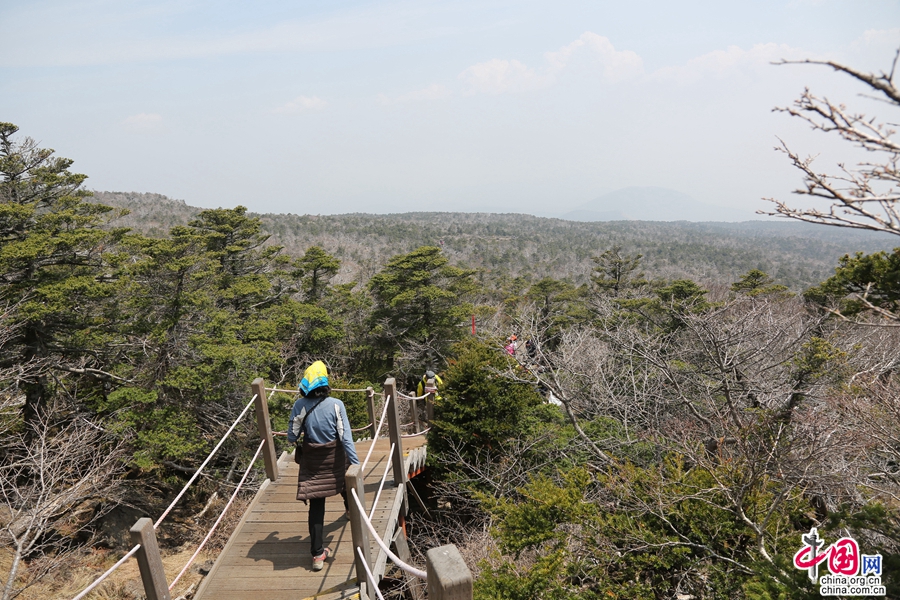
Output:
x,y
328,107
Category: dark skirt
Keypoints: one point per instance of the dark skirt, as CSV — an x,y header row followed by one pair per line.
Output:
x,y
322,470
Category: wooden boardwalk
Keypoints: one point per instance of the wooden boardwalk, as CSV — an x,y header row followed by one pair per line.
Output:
x,y
268,557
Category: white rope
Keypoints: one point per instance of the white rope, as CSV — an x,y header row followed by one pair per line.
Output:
x,y
275,389
423,432
208,458
403,566
221,515
297,391
369,573
402,395
383,478
100,579
387,401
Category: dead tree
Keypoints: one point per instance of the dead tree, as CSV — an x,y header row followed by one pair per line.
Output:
x,y
53,484
863,196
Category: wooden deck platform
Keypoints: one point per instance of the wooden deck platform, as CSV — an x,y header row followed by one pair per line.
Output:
x,y
268,555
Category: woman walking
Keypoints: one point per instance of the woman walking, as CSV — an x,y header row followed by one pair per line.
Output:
x,y
326,451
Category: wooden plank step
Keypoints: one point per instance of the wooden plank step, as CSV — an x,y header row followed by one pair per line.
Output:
x,y
267,558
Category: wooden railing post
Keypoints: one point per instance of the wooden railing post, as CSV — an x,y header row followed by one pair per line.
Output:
x,y
355,480
430,389
370,406
153,575
448,576
414,409
393,415
265,428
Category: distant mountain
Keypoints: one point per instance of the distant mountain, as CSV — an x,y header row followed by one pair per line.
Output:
x,y
153,214
653,204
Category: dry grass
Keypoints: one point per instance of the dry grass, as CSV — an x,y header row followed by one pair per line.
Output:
x,y
228,524
125,582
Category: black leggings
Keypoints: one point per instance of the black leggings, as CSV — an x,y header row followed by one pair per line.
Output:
x,y
317,523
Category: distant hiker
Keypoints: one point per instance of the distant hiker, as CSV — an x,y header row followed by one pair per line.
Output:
x,y
512,345
422,388
327,451
531,349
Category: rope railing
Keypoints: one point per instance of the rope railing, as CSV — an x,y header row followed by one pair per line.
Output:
x,y
221,516
297,391
411,435
447,574
171,506
369,575
149,558
109,572
275,389
205,462
362,468
387,468
358,429
396,559
342,390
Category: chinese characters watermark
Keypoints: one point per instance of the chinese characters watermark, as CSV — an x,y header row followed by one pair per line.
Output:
x,y
850,574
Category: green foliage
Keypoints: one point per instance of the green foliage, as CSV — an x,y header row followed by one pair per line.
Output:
x,y
160,433
862,282
667,306
163,333
645,530
683,295
419,297
53,267
540,581
756,283
560,305
235,240
818,358
315,269
481,408
418,293
615,272
280,405
542,507
873,524
310,330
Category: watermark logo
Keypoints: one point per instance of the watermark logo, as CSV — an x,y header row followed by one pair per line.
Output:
x,y
850,573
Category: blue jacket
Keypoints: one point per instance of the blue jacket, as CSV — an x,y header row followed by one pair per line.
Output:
x,y
326,423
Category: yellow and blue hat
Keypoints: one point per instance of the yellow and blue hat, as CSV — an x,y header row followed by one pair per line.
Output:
x,y
314,377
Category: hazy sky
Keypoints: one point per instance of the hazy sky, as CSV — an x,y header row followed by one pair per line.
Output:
x,y
329,107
